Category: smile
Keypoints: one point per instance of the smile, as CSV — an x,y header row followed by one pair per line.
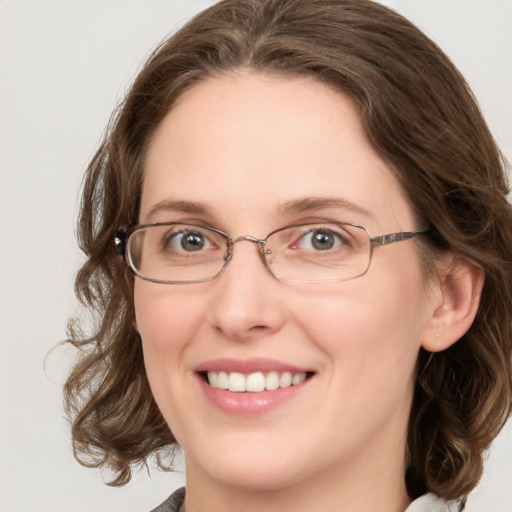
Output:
x,y
256,382
251,387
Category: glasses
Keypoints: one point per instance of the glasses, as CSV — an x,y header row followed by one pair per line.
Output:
x,y
176,253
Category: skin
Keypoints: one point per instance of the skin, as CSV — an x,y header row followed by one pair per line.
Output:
x,y
244,145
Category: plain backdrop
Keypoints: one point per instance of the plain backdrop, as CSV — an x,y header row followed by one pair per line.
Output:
x,y
63,67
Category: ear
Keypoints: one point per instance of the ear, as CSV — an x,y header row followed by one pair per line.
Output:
x,y
456,297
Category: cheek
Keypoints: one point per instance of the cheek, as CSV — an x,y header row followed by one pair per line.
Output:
x,y
375,323
167,321
165,318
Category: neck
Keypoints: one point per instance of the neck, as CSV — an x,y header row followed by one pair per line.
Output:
x,y
351,488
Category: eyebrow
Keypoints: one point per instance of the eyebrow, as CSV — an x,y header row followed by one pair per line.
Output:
x,y
309,204
178,206
295,206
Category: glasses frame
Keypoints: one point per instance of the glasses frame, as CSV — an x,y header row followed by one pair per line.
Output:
x,y
123,234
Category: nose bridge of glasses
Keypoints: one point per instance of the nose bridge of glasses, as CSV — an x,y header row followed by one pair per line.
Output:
x,y
248,238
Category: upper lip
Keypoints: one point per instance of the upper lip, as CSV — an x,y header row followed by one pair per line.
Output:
x,y
248,366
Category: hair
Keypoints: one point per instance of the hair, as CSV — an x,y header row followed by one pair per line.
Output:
x,y
422,119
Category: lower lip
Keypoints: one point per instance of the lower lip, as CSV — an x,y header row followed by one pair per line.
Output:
x,y
250,404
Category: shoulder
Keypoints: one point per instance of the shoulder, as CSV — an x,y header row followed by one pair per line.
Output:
x,y
426,503
173,503
432,503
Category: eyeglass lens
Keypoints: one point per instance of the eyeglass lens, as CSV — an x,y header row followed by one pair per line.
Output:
x,y
176,253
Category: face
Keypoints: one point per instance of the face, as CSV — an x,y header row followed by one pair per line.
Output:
x,y
247,154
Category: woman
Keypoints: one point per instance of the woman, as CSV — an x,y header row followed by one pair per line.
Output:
x,y
315,213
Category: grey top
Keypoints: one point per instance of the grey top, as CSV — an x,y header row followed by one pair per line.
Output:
x,y
173,502
426,503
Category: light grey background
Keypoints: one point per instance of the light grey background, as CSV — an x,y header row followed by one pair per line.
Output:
x,y
63,66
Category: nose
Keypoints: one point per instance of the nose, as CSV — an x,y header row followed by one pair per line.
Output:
x,y
245,300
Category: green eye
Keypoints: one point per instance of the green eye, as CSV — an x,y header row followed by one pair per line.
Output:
x,y
188,241
321,240
192,242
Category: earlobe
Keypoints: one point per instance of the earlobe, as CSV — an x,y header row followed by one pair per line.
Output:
x,y
457,297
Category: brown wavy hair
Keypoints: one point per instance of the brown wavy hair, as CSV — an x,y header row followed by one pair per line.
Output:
x,y
422,119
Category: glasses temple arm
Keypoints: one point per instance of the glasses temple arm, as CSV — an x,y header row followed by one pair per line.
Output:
x,y
120,240
396,237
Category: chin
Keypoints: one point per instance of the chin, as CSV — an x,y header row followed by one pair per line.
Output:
x,y
259,478
248,470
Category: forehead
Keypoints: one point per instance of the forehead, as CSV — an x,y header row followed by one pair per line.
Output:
x,y
248,143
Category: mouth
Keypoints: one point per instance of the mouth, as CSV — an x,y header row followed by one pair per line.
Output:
x,y
256,382
251,387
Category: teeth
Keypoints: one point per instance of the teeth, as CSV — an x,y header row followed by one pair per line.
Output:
x,y
223,381
254,382
236,382
214,379
285,380
298,378
272,381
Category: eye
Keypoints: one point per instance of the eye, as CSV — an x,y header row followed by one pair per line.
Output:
x,y
187,240
320,239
